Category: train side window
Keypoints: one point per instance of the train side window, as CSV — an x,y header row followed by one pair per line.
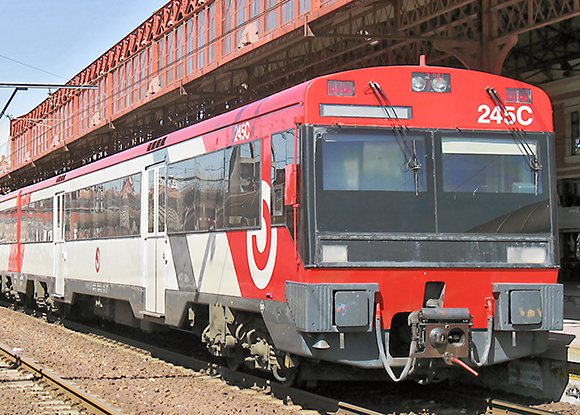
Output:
x,y
78,208
282,155
105,210
4,229
242,194
215,191
161,213
11,222
110,208
25,222
68,216
8,226
181,190
121,206
209,194
36,224
195,193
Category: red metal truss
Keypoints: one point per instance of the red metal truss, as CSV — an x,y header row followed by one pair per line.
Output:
x,y
161,22
150,61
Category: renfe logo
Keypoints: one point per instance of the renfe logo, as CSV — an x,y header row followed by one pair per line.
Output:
x,y
98,260
262,244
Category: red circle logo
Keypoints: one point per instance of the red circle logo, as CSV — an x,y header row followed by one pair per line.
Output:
x,y
98,260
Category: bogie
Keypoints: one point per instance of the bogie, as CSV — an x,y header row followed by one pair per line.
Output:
x,y
242,338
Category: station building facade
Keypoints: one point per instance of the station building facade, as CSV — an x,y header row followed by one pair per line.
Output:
x,y
565,95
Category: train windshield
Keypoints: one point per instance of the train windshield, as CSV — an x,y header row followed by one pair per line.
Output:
x,y
492,185
367,183
381,180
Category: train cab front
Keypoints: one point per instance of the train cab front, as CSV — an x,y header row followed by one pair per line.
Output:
x,y
425,244
453,250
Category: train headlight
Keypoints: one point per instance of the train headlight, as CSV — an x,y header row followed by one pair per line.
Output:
x,y
431,82
419,82
334,254
351,308
341,88
439,84
526,255
526,307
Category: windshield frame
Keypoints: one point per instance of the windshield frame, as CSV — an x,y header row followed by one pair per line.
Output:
x,y
339,220
420,239
489,204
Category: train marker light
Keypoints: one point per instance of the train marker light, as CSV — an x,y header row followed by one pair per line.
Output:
x,y
341,88
518,96
430,82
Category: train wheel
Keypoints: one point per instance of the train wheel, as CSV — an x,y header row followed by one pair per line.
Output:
x,y
288,377
235,358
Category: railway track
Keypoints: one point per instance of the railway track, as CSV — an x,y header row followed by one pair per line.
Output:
x,y
257,389
307,400
303,398
40,374
498,407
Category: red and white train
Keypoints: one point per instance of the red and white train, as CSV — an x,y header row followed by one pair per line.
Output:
x,y
397,218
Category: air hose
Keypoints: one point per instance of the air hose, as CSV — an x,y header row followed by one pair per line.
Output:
x,y
490,305
384,354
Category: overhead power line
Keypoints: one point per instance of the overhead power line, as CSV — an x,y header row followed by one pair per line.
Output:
x,y
30,66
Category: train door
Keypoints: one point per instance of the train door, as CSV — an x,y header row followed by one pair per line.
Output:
x,y
59,254
155,241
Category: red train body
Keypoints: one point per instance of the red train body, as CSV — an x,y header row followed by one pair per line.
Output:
x,y
384,218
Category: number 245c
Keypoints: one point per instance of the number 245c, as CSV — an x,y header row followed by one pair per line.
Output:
x,y
523,115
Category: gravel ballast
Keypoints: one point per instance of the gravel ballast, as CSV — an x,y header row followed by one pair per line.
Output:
x,y
131,381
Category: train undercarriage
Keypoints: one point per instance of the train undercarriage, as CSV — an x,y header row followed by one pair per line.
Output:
x,y
424,345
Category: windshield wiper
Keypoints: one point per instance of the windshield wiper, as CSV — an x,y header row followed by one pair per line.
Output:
x,y
409,149
519,137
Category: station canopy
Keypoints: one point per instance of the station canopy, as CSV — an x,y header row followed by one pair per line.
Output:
x,y
194,59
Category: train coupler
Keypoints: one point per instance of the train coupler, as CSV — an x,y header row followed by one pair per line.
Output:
x,y
441,333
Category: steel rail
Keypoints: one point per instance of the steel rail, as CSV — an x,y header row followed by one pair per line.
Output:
x,y
307,400
498,407
91,403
